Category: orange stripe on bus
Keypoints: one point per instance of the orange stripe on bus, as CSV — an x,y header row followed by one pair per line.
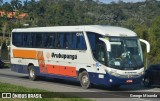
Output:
x,y
28,54
62,70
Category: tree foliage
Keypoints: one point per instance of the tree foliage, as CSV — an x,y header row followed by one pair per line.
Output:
x,y
142,17
154,39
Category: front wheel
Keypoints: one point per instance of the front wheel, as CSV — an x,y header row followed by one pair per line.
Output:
x,y
84,79
32,73
147,82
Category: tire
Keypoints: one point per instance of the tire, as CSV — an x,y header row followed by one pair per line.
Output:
x,y
147,82
32,73
84,80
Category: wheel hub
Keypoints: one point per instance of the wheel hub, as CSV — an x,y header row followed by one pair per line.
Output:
x,y
85,79
32,73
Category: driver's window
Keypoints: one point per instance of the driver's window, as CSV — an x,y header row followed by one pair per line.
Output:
x,y
97,47
101,53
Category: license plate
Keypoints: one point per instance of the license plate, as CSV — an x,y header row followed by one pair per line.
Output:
x,y
129,81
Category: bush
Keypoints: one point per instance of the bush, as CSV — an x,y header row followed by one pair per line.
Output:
x,y
4,52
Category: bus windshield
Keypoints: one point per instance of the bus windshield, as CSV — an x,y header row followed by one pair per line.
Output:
x,y
126,54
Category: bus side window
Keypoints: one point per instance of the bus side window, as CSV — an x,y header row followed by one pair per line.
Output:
x,y
38,40
73,41
53,40
26,39
48,40
67,40
81,44
16,39
92,41
32,41
62,40
57,40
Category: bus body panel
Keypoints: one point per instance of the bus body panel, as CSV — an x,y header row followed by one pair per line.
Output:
x,y
65,63
94,77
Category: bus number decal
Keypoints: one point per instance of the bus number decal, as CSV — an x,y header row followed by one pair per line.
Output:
x,y
79,34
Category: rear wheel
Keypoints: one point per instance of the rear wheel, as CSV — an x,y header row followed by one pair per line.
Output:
x,y
84,79
147,82
32,73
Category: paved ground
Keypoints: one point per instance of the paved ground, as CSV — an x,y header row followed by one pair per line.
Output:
x,y
8,76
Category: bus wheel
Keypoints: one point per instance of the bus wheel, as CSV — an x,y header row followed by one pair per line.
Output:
x,y
32,73
147,82
84,79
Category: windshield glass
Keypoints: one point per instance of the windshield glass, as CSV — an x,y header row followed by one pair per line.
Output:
x,y
125,54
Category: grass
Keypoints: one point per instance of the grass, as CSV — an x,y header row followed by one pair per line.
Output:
x,y
5,87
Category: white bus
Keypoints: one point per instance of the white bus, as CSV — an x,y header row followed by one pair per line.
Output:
x,y
92,54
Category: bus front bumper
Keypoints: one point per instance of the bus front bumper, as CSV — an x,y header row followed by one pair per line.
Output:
x,y
113,80
109,80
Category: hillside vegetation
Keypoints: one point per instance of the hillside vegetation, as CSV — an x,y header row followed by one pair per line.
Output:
x,y
141,17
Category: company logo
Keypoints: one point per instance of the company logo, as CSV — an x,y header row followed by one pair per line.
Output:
x,y
19,95
6,95
64,56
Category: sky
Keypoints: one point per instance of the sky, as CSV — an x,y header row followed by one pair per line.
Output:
x,y
105,1
109,1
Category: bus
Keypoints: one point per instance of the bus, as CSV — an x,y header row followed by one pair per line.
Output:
x,y
90,54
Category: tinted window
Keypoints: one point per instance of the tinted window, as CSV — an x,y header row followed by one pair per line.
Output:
x,y
49,39
61,40
57,41
94,41
32,41
66,41
73,41
81,44
70,41
26,39
77,41
98,47
39,40
16,39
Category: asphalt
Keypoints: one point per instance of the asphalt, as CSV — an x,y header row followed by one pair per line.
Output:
x,y
97,93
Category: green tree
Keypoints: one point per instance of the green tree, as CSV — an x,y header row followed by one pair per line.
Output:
x,y
142,31
16,4
7,7
154,39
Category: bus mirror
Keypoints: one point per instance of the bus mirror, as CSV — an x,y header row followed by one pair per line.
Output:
x,y
108,45
147,44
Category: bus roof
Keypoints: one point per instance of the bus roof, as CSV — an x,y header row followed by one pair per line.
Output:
x,y
100,29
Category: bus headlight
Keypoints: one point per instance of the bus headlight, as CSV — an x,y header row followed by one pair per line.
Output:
x,y
112,73
110,80
141,73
